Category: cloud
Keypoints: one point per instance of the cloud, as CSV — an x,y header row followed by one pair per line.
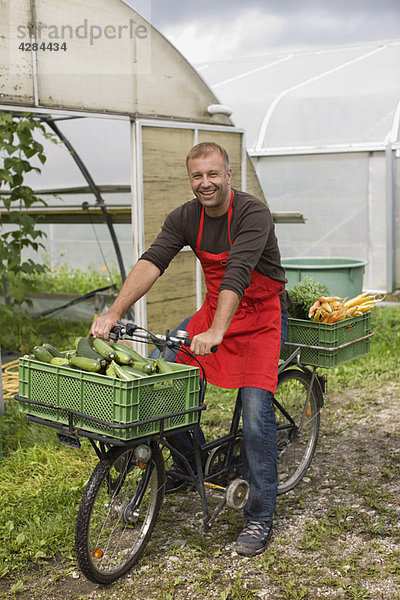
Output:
x,y
257,31
322,27
221,29
249,32
175,12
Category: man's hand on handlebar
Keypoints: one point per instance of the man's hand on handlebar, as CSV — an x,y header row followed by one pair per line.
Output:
x,y
102,326
203,342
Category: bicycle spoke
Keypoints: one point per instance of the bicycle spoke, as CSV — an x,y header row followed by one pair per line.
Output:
x,y
110,538
297,415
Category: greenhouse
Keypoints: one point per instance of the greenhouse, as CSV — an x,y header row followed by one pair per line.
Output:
x,y
316,134
322,129
125,107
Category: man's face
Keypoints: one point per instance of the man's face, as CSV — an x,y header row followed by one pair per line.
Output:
x,y
211,183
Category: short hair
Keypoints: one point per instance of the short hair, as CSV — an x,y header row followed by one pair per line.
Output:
x,y
204,149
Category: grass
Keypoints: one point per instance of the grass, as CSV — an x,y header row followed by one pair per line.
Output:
x,y
382,364
41,484
20,332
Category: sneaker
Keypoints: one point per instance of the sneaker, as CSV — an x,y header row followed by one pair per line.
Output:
x,y
254,538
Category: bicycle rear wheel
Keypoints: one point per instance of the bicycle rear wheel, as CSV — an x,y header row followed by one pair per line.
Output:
x,y
297,419
117,513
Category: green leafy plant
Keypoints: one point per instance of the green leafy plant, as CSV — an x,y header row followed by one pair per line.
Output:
x,y
304,294
382,363
336,535
37,518
62,279
20,149
20,332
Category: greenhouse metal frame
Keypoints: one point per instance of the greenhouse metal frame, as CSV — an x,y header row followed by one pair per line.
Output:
x,y
126,129
322,129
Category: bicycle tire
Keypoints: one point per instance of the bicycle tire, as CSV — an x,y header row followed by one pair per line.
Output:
x,y
296,440
108,539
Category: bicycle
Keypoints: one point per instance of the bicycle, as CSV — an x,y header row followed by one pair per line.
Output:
x,y
124,494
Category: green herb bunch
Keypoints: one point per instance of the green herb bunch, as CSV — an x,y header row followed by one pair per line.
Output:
x,y
304,294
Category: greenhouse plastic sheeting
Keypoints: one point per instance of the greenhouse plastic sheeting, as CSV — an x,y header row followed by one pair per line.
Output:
x,y
322,128
331,96
344,217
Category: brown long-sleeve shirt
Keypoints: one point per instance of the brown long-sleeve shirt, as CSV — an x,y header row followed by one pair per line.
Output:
x,y
254,243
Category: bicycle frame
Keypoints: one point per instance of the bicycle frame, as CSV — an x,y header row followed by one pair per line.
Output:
x,y
69,435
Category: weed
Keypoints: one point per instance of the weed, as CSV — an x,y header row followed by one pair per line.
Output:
x,y
392,562
20,332
237,590
331,525
17,587
355,592
336,534
41,485
382,363
390,470
293,590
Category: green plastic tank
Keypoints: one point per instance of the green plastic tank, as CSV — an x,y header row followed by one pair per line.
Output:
x,y
342,276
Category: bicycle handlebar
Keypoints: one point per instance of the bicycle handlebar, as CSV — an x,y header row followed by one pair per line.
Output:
x,y
131,329
188,342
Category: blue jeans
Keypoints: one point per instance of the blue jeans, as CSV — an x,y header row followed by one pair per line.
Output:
x,y
260,447
259,443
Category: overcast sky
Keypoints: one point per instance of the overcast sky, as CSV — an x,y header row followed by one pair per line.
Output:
x,y
219,29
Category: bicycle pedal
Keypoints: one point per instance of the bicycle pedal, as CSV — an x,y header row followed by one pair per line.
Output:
x,y
175,483
68,439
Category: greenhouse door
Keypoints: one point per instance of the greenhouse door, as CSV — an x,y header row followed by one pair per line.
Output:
x,y
159,185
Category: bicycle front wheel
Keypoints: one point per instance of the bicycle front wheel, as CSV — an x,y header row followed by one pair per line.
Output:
x,y
117,513
297,419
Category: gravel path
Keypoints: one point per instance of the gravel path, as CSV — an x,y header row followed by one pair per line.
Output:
x,y
336,535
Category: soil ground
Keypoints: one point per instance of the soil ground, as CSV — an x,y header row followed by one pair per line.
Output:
x,y
336,535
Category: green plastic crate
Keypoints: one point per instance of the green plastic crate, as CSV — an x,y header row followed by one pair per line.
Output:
x,y
114,401
320,343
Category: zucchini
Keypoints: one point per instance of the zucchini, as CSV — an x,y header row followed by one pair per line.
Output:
x,y
135,355
85,350
149,368
42,354
85,364
163,366
53,351
60,362
110,371
122,357
135,372
101,347
121,373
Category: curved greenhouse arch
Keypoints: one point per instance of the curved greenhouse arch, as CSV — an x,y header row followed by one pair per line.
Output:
x,y
131,106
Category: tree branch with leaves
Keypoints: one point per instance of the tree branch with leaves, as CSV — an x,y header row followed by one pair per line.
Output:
x,y
19,151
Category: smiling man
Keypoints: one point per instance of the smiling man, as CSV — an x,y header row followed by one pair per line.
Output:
x,y
210,178
244,313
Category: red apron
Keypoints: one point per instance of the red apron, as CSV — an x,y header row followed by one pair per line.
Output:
x,y
249,353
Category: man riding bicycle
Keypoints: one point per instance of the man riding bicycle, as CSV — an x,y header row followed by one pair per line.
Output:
x,y
244,313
